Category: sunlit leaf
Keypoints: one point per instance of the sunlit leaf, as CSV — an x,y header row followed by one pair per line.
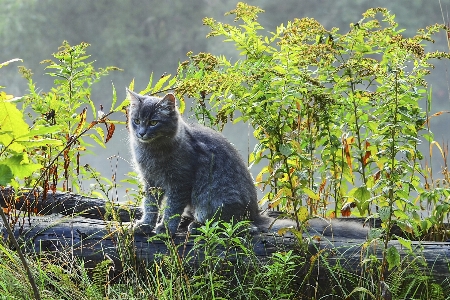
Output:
x,y
20,165
311,194
302,213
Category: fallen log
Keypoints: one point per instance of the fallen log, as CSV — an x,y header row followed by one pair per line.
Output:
x,y
64,203
78,229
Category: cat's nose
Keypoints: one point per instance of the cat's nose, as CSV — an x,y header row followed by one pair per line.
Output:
x,y
140,134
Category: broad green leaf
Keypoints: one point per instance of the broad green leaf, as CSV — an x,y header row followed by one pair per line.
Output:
x,y
5,175
20,165
160,83
7,141
401,214
392,257
42,130
384,213
362,194
11,119
405,242
286,150
33,143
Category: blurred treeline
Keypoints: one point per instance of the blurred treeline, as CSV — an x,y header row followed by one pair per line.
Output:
x,y
150,36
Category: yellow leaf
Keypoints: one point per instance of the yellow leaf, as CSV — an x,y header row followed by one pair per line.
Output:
x,y
302,213
438,146
311,194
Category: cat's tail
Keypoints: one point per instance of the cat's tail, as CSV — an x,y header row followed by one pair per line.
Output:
x,y
316,226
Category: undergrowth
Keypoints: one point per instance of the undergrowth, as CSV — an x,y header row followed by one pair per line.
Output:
x,y
338,118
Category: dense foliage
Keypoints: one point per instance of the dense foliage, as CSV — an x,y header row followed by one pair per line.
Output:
x,y
338,118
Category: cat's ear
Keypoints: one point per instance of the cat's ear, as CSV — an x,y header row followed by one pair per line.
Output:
x,y
170,101
134,98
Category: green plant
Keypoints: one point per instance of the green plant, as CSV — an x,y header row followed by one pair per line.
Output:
x,y
29,155
338,116
62,110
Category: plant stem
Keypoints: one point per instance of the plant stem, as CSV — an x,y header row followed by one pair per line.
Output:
x,y
21,256
391,195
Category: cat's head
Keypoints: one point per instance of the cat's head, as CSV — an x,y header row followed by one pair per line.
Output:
x,y
152,118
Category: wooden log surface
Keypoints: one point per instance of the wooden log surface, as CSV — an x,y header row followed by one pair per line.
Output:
x,y
67,204
73,224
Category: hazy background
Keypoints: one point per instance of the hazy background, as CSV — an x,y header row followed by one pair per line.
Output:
x,y
142,37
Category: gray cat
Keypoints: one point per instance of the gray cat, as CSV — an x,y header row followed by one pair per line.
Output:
x,y
201,174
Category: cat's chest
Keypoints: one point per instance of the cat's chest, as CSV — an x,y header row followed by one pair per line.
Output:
x,y
166,164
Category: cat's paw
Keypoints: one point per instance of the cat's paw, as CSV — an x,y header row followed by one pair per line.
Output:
x,y
142,227
162,229
193,227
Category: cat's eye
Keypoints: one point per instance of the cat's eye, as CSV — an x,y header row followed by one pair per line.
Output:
x,y
136,121
153,122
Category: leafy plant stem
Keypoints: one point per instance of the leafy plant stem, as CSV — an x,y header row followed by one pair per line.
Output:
x,y
392,177
66,147
21,256
358,135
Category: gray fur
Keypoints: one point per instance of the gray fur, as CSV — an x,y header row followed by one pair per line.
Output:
x,y
197,167
201,173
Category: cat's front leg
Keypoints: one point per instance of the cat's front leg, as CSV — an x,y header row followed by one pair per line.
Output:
x,y
149,214
171,215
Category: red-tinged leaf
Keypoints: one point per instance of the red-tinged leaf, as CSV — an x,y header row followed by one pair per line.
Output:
x,y
346,213
6,210
346,209
44,194
322,185
81,123
347,142
366,155
376,176
92,124
66,163
78,163
110,128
